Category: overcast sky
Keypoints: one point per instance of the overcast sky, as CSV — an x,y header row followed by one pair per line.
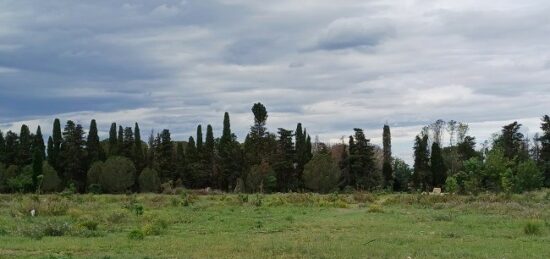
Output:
x,y
332,65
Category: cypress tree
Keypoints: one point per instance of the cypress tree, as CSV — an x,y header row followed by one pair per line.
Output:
x,y
93,146
12,148
545,149
165,156
387,170
284,163
421,174
230,157
199,140
209,146
439,172
39,143
128,143
113,141
120,141
180,162
57,138
138,149
50,148
2,148
24,156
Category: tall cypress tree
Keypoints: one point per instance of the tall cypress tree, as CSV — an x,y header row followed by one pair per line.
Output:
x,y
2,148
113,141
545,149
138,149
387,170
230,157
24,156
93,146
50,148
128,143
421,173
165,157
120,141
37,160
39,143
199,140
57,138
12,148
439,172
209,146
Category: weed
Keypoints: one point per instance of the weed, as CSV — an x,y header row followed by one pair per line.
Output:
x,y
375,208
136,234
532,229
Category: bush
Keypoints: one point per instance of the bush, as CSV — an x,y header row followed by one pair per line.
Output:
x,y
50,181
136,234
56,228
117,175
94,173
528,177
451,185
22,182
321,173
375,208
532,228
149,180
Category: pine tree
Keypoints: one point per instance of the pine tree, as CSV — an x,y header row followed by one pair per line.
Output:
x,y
57,138
512,142
113,141
72,156
362,163
387,170
439,172
284,163
94,149
24,156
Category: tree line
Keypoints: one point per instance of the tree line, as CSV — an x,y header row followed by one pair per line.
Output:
x,y
288,160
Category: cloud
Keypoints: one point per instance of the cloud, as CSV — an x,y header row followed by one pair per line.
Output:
x,y
332,65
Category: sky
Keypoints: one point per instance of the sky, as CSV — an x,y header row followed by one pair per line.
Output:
x,y
332,65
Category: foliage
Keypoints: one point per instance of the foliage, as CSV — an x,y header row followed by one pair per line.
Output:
x,y
50,181
118,175
149,180
321,173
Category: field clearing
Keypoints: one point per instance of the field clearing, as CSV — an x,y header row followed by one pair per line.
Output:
x,y
359,225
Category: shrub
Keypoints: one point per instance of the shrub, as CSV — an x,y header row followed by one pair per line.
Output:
x,y
151,229
375,208
22,182
261,178
321,173
118,175
529,177
451,185
56,228
532,228
94,173
149,180
50,181
88,223
136,234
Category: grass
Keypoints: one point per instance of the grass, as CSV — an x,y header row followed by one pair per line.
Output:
x,y
358,225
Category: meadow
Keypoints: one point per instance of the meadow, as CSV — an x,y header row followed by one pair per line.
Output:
x,y
196,225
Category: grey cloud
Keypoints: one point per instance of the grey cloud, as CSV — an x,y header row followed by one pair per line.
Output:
x,y
354,32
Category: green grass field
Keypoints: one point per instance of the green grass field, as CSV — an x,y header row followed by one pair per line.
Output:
x,y
359,225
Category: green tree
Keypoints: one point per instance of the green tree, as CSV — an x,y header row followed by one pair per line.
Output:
x,y
118,175
94,173
230,157
528,177
545,149
208,156
94,149
512,142
321,173
439,172
284,162
496,165
2,148
113,141
164,157
57,139
50,180
403,174
387,170
261,178
149,181
138,155
362,162
12,148
422,173
72,155
180,162
120,141
24,156
38,143
199,140
37,161
128,142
